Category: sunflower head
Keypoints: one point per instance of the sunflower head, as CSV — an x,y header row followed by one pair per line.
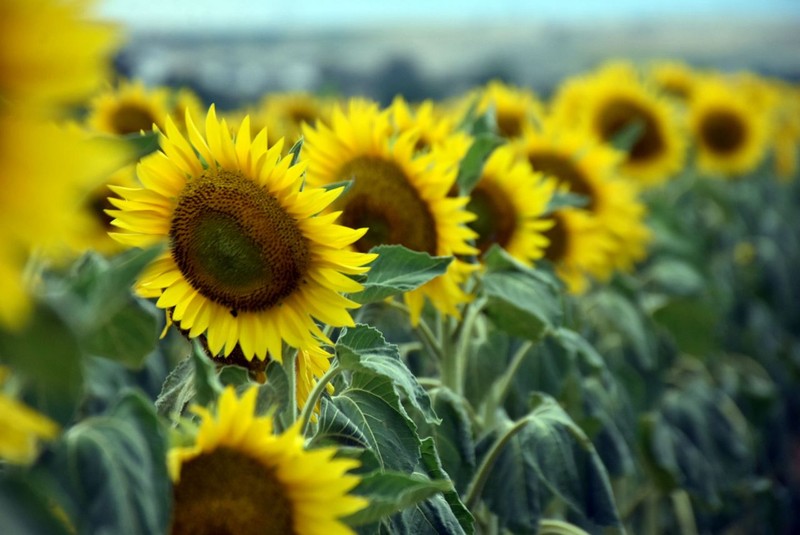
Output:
x,y
731,136
399,193
614,101
513,107
240,477
128,108
249,262
674,78
509,201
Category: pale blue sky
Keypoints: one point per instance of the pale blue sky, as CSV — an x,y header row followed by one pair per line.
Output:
x,y
300,14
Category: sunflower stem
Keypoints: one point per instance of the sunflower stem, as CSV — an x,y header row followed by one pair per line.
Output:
x,y
448,364
290,367
482,474
464,339
315,395
502,385
423,331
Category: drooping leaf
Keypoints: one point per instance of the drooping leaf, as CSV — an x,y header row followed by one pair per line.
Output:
x,y
454,438
521,301
398,270
370,405
433,464
364,349
177,391
390,492
117,472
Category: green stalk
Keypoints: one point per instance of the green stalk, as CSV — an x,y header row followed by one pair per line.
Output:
x,y
482,474
290,368
683,511
558,527
503,385
315,395
464,339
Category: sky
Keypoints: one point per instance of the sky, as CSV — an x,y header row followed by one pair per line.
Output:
x,y
215,15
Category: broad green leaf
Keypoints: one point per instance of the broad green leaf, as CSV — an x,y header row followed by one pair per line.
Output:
x,y
364,349
433,464
674,277
612,312
430,517
128,336
114,468
398,270
512,490
26,506
337,428
521,301
371,405
177,391
469,173
567,462
207,385
692,322
45,354
390,492
453,436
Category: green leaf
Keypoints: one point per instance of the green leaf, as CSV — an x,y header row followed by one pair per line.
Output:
x,y
371,405
567,462
432,461
564,199
26,507
294,151
430,517
675,277
97,300
454,437
364,349
628,136
114,468
390,492
692,322
522,301
45,354
177,391
398,270
469,173
142,144
207,385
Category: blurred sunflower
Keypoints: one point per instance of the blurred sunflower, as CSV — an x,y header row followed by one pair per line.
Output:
x,y
509,201
513,107
285,113
674,78
786,134
577,248
582,166
184,99
60,218
21,428
239,477
399,195
128,109
51,56
731,136
614,100
249,263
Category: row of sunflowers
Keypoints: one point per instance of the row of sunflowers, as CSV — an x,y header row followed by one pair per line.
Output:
x,y
500,313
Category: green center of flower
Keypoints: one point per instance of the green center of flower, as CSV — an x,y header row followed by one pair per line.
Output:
x,y
558,237
620,114
382,200
722,132
236,244
496,216
228,492
130,119
565,170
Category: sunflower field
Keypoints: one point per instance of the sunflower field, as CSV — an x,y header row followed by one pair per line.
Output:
x,y
499,313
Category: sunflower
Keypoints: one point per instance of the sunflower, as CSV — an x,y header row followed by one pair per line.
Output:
x,y
128,109
239,477
674,78
184,99
582,166
731,136
577,248
51,56
59,183
614,100
284,114
249,262
509,201
513,107
400,195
